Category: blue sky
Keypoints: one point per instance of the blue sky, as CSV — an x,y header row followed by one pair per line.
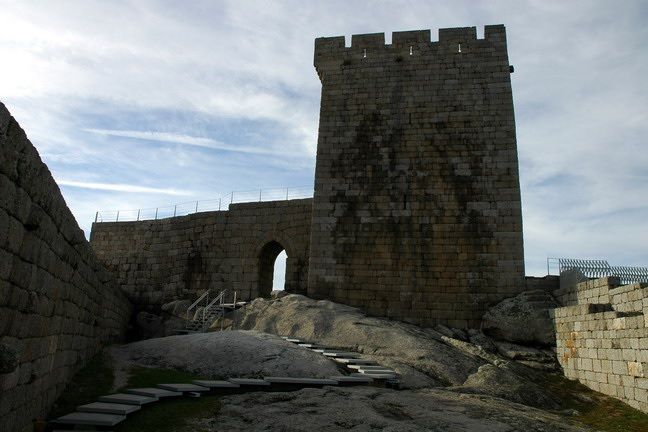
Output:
x,y
137,104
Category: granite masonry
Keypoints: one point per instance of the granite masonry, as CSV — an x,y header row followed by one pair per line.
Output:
x,y
416,213
58,305
159,261
416,216
602,338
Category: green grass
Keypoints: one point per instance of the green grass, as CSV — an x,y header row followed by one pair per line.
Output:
x,y
93,380
150,377
96,379
166,415
170,415
595,409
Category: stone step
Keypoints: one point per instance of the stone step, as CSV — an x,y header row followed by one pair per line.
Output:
x,y
344,354
91,419
128,399
249,382
376,371
183,388
154,392
215,384
300,381
348,379
108,408
366,367
357,361
376,375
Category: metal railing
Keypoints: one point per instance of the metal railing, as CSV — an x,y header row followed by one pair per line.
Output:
x,y
598,269
217,204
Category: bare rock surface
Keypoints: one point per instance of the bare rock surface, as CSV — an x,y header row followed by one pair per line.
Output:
x,y
227,354
506,384
524,318
366,408
420,355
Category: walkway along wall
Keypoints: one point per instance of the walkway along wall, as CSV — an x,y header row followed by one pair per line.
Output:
x,y
602,338
158,261
416,212
58,305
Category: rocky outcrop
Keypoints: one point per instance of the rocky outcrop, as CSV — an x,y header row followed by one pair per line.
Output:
x,y
368,409
524,318
228,354
423,357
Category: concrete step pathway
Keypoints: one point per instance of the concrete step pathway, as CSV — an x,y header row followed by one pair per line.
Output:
x,y
113,409
108,408
91,419
153,392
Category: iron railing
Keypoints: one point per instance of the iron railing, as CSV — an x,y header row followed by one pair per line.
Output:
x,y
597,269
217,204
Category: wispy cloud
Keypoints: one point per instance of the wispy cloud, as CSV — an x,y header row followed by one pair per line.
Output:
x,y
121,187
182,139
236,76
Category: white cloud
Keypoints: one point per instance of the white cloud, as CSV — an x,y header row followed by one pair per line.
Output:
x,y
121,187
579,91
182,139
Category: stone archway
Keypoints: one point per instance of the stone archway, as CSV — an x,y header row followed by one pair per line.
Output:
x,y
267,258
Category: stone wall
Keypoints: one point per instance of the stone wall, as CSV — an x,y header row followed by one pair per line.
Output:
x,y
162,260
417,212
602,338
58,305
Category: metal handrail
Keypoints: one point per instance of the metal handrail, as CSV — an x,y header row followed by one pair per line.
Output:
x,y
216,204
194,304
209,306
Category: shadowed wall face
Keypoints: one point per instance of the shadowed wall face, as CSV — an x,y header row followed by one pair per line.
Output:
x,y
58,305
416,211
158,261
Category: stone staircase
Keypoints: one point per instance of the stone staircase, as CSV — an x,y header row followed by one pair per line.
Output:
x,y
113,409
204,312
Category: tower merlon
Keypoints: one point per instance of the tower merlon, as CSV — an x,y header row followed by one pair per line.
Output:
x,y
333,51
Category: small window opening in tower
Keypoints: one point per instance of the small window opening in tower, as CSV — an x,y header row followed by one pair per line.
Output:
x,y
364,54
279,276
459,48
411,50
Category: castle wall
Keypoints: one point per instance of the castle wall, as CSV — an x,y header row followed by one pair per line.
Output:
x,y
58,305
416,212
602,338
158,261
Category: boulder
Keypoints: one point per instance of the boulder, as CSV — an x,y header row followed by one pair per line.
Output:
x,y
524,318
177,308
505,384
149,325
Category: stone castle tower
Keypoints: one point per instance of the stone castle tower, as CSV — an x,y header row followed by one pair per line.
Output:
x,y
416,213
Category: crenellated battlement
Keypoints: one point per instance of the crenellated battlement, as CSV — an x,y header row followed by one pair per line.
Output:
x,y
332,51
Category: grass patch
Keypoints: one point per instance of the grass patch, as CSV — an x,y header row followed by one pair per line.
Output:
x,y
93,380
166,415
170,415
595,409
151,377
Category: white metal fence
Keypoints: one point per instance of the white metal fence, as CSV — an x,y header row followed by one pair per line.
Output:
x,y
597,269
190,207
